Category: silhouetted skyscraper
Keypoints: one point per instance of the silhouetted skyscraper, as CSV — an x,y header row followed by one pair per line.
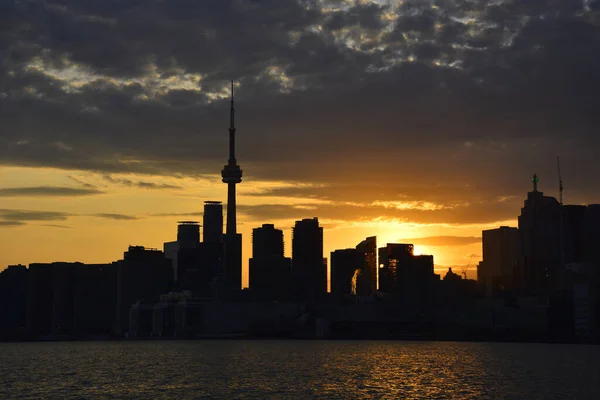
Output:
x,y
270,271
188,234
367,279
71,299
143,274
13,301
573,233
592,234
267,241
540,270
188,237
308,266
409,277
346,264
390,257
500,256
232,175
213,222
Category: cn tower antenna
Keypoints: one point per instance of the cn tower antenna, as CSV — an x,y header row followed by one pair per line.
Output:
x,y
560,183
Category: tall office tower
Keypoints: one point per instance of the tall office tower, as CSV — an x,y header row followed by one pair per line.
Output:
x,y
270,271
591,228
346,266
197,262
417,282
232,175
213,222
143,274
572,228
500,257
267,241
13,301
367,280
188,237
188,234
390,257
540,271
308,266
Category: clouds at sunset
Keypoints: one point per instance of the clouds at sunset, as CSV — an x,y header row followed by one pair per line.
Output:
x,y
47,191
425,112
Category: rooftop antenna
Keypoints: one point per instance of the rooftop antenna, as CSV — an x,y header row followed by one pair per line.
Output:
x,y
535,181
560,185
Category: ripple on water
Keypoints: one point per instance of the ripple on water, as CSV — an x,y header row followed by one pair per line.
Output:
x,y
298,370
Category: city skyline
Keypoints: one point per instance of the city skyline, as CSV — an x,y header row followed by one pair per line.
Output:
x,y
98,153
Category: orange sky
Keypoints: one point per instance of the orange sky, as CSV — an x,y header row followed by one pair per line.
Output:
x,y
140,210
408,120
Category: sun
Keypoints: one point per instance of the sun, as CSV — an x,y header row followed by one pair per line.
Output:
x,y
422,250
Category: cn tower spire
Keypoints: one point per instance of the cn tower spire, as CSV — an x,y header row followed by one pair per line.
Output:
x,y
231,173
232,160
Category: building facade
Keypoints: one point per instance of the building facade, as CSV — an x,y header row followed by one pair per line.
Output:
x,y
346,264
269,269
539,270
309,268
500,258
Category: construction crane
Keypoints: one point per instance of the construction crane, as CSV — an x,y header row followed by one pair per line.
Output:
x,y
464,270
560,185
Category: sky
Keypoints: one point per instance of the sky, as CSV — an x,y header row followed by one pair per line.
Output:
x,y
415,121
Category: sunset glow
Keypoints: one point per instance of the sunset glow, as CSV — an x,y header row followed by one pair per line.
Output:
x,y
381,118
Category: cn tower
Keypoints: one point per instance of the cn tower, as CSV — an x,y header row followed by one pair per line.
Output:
x,y
232,175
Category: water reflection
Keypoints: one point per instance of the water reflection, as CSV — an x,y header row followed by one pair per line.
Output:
x,y
298,370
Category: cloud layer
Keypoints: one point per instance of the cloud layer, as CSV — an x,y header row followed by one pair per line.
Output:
x,y
448,102
15,217
47,191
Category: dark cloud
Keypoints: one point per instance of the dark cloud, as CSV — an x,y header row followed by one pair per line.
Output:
x,y
139,184
31,215
81,182
14,217
471,96
57,226
118,217
11,223
443,240
49,191
185,214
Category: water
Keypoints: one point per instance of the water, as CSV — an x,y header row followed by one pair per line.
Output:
x,y
298,370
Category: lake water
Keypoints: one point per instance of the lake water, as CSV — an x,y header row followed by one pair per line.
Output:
x,y
240,369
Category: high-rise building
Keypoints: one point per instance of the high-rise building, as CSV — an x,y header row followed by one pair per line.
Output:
x,y
346,264
390,257
40,298
188,234
171,250
572,231
71,299
308,266
267,241
142,275
591,236
13,301
269,270
408,276
188,237
367,278
500,257
213,222
232,175
539,270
